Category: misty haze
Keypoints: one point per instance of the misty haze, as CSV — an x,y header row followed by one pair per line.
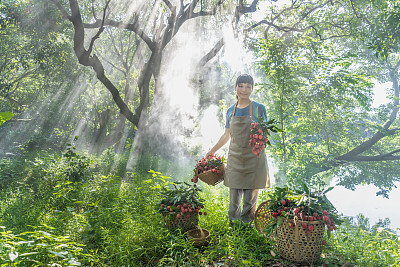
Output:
x,y
129,130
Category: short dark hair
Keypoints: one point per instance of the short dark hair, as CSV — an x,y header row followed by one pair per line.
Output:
x,y
244,78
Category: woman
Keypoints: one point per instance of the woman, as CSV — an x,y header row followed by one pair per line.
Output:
x,y
245,174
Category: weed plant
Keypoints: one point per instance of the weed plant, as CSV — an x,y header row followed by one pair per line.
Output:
x,y
357,242
81,210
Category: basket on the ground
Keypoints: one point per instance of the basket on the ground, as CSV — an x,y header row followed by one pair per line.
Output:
x,y
199,236
212,178
263,217
296,245
186,221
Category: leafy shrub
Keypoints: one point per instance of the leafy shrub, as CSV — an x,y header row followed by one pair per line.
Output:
x,y
111,163
7,172
76,164
39,248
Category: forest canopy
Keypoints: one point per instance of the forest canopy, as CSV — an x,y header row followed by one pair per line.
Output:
x,y
107,71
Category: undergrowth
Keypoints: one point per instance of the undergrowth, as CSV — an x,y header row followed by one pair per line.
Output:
x,y
73,209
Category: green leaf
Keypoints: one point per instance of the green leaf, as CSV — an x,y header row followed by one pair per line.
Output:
x,y
280,221
13,256
28,253
62,254
305,187
5,116
328,189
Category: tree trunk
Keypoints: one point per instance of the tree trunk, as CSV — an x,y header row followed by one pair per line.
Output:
x,y
100,133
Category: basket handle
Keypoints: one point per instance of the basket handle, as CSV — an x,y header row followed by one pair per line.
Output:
x,y
202,235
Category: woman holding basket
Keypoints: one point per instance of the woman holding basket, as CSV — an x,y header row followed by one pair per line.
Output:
x,y
245,173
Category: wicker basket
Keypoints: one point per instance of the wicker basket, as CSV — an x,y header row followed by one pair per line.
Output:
x,y
295,245
199,236
263,217
212,178
183,222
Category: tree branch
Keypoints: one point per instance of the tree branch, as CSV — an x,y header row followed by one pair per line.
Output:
x,y
63,11
112,64
292,28
94,11
357,15
383,157
124,109
119,55
190,14
279,28
25,74
212,53
86,59
397,65
121,25
12,100
137,43
101,29
392,117
242,9
329,37
365,145
207,13
168,4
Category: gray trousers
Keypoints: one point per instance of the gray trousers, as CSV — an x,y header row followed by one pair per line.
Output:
x,y
235,212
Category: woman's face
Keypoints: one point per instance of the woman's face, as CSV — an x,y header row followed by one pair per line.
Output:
x,y
243,90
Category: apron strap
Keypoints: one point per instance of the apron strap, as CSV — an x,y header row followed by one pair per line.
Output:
x,y
250,109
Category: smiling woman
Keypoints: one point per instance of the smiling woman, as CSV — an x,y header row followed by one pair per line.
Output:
x,y
245,172
243,91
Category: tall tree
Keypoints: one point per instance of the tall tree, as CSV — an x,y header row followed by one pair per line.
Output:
x,y
35,59
155,23
117,50
167,23
321,56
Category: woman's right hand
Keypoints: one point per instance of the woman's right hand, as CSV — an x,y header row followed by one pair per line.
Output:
x,y
222,141
210,154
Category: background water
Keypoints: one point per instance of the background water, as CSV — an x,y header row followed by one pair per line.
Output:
x,y
364,200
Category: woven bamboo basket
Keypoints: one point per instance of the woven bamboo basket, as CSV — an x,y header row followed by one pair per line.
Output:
x,y
295,245
183,222
199,236
263,217
212,178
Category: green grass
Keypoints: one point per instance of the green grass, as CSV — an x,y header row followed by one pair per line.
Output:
x,y
78,210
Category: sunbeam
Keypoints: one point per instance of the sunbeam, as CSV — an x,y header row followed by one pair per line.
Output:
x,y
125,125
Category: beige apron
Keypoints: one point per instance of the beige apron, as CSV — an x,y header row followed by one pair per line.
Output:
x,y
244,170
